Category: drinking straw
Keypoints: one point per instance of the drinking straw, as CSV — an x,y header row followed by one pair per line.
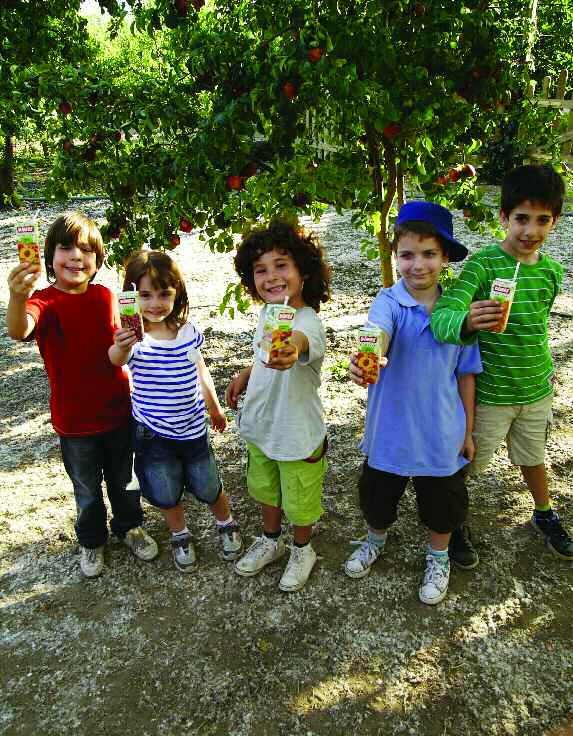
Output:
x,y
286,301
516,271
134,286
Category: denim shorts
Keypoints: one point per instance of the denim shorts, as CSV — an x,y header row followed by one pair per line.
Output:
x,y
165,468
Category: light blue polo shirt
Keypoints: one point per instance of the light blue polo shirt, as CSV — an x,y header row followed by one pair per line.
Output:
x,y
415,420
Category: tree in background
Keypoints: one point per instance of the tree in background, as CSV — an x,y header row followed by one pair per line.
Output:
x,y
210,124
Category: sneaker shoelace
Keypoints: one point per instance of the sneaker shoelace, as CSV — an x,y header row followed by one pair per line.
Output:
x,y
139,540
260,547
436,571
555,529
296,558
91,555
368,550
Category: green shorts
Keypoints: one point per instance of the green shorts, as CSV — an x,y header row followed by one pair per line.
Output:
x,y
294,485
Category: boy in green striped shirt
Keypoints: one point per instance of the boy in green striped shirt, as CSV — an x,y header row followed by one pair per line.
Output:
x,y
515,391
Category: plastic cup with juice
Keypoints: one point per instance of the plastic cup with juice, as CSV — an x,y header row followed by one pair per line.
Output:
x,y
28,242
130,312
503,291
372,344
277,330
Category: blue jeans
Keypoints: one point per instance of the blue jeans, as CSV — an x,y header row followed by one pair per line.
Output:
x,y
166,467
90,459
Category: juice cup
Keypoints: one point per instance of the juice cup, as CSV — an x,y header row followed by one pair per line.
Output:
x,y
277,330
372,343
28,242
503,291
130,312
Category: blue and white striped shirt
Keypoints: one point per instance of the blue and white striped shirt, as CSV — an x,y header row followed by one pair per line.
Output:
x,y
166,394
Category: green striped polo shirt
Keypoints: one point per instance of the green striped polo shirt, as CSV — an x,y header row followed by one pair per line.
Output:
x,y
517,364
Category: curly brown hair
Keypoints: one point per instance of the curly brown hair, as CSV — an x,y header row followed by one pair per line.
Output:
x,y
163,273
304,248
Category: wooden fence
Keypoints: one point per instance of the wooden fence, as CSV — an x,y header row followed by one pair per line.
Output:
x,y
558,102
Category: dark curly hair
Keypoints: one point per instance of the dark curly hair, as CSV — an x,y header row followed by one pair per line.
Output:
x,y
163,274
301,245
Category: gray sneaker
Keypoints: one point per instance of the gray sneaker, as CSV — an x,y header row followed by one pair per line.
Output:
x,y
141,544
183,551
261,553
91,561
231,542
436,578
361,560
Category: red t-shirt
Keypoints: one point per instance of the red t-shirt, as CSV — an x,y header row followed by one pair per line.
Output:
x,y
89,395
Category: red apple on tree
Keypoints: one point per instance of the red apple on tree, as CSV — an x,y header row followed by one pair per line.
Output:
x,y
289,90
119,135
315,54
392,130
174,241
90,154
454,175
65,107
419,9
68,145
469,170
234,182
442,180
185,225
198,4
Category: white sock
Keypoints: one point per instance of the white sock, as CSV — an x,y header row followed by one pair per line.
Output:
x,y
184,532
228,521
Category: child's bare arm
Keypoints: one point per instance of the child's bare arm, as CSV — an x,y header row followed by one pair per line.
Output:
x,y
467,391
237,385
218,418
123,340
21,282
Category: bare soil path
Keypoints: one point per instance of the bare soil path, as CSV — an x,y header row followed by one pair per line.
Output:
x,y
144,650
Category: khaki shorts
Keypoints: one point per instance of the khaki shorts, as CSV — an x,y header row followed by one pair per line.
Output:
x,y
294,485
523,426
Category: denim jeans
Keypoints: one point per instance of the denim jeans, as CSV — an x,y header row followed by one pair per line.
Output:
x,y
166,467
90,459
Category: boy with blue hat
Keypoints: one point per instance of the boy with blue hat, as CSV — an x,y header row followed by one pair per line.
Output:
x,y
419,417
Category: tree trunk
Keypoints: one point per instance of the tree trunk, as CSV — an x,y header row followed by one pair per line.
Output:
x,y
387,266
387,271
7,169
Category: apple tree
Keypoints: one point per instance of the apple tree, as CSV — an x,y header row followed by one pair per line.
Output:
x,y
212,123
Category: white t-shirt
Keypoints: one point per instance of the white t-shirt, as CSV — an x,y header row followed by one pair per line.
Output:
x,y
166,393
282,414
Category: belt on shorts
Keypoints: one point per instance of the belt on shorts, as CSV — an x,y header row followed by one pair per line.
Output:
x,y
322,454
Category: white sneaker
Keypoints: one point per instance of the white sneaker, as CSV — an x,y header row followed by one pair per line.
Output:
x,y
141,544
231,542
183,551
361,560
261,553
91,561
298,569
436,578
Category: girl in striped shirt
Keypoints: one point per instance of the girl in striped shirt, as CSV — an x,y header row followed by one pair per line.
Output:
x,y
172,387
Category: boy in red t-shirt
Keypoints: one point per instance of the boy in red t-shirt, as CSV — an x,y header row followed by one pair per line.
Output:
x,y
73,322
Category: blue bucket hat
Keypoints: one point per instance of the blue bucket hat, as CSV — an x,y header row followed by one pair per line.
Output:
x,y
440,218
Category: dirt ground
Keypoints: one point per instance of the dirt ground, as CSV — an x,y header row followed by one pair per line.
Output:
x,y
145,650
